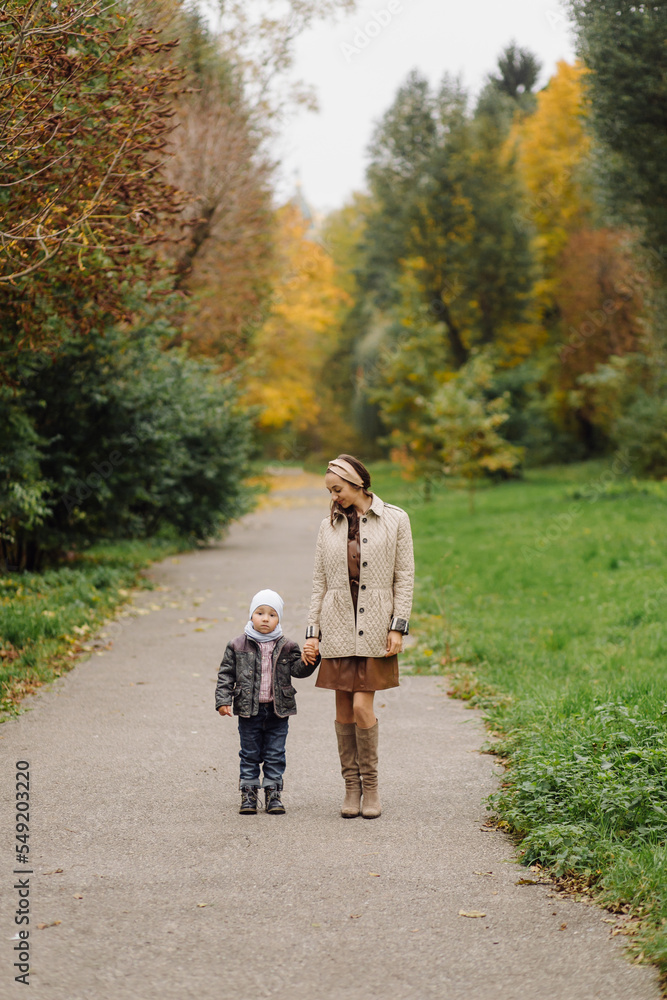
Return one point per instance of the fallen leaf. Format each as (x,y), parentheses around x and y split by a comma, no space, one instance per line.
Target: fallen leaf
(528,881)
(56,871)
(489,874)
(77,895)
(608,920)
(354,916)
(202,904)
(562,927)
(471,913)
(375,874)
(54,923)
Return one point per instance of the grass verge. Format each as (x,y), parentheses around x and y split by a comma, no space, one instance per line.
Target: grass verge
(547,607)
(46,618)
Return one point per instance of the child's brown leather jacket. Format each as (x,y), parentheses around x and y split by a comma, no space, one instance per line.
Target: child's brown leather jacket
(241,671)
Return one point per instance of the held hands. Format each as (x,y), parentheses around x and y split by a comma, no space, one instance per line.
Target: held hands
(394,642)
(311,650)
(225,710)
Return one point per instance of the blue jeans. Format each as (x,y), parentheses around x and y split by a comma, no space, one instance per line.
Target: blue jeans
(263,739)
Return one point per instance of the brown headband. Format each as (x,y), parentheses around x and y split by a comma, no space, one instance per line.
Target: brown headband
(341,468)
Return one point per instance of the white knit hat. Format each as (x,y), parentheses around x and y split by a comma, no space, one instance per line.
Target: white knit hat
(271,599)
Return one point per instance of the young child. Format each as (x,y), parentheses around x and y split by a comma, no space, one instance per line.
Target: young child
(255,676)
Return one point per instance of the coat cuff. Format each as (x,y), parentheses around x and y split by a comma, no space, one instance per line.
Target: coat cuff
(400,625)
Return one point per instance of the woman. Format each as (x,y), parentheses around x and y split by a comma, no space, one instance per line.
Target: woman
(360,610)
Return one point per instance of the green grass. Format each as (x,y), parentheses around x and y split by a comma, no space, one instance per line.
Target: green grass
(548,608)
(46,617)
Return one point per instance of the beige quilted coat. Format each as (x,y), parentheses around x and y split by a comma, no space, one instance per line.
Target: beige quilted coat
(386,579)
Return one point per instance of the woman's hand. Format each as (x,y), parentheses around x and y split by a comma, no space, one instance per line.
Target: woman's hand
(394,642)
(225,710)
(311,649)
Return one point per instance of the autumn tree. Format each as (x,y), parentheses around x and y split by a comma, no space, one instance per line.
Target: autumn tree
(239,95)
(353,366)
(552,150)
(287,378)
(215,156)
(589,296)
(445,196)
(623,49)
(81,193)
(600,296)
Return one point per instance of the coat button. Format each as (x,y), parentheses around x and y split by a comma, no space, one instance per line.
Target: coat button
(363,586)
(364,564)
(364,539)
(361,611)
(361,631)
(364,519)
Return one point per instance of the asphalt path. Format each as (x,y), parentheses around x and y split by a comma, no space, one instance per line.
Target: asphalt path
(152,887)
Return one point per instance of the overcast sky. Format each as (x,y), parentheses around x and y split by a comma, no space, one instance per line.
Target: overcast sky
(354,88)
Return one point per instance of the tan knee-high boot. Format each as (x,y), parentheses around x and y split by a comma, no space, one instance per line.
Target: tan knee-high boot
(367,754)
(349,768)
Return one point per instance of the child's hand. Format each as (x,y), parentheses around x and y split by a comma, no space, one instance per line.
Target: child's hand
(310,652)
(311,648)
(225,710)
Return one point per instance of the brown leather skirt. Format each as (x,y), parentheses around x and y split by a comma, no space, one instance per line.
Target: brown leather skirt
(358,673)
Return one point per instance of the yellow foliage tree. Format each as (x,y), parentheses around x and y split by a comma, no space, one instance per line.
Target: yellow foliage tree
(552,150)
(286,374)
